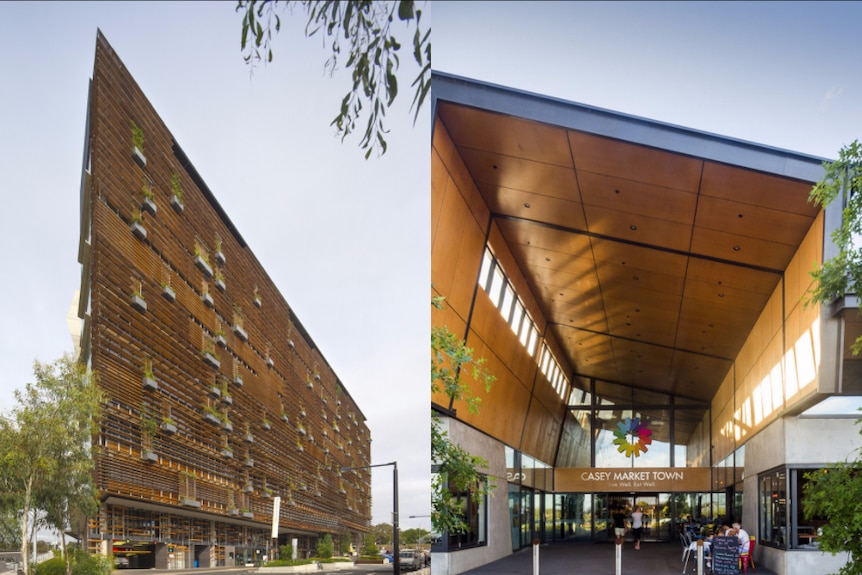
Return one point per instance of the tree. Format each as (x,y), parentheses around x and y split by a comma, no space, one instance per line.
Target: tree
(456,469)
(45,461)
(324,547)
(412,536)
(382,533)
(835,493)
(369,546)
(365,26)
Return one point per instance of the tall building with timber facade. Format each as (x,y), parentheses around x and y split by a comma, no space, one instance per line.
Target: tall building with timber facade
(218,402)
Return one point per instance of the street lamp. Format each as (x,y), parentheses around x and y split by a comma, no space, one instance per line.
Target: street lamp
(396,555)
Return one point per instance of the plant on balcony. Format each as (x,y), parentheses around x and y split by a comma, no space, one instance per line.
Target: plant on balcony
(247,513)
(300,429)
(219,255)
(177,189)
(302,411)
(220,336)
(202,261)
(138,145)
(299,446)
(206,296)
(211,415)
(238,323)
(289,333)
(148,431)
(219,280)
(226,397)
(168,425)
(138,301)
(265,424)
(258,301)
(136,224)
(209,353)
(168,292)
(148,201)
(226,451)
(149,379)
(267,492)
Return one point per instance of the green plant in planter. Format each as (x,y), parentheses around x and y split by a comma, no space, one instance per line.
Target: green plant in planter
(176,186)
(137,217)
(137,137)
(147,191)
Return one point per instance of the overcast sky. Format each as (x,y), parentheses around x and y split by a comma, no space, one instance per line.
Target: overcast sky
(358,230)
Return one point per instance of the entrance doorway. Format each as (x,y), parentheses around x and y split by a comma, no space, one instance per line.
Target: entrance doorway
(656,520)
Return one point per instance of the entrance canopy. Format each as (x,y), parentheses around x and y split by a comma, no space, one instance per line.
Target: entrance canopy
(651,248)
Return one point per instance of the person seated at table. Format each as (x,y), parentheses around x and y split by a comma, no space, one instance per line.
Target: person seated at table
(744,538)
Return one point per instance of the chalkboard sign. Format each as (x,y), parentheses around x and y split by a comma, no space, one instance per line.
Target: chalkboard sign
(725,555)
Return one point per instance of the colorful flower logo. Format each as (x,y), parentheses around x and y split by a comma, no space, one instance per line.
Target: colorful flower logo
(640,437)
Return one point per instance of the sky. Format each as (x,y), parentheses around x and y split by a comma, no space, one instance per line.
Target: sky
(781,74)
(357,229)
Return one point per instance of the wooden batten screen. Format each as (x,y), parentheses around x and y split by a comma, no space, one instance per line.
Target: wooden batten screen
(209,376)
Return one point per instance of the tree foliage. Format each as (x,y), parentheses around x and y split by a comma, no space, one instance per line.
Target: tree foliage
(325,547)
(45,461)
(841,274)
(457,471)
(834,494)
(363,30)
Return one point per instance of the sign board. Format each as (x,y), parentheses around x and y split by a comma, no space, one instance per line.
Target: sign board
(725,555)
(625,479)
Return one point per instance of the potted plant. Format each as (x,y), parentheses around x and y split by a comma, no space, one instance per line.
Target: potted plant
(300,429)
(249,462)
(237,380)
(138,298)
(168,292)
(210,357)
(148,431)
(211,415)
(247,513)
(219,280)
(149,379)
(226,397)
(302,411)
(136,225)
(177,189)
(138,145)
(206,297)
(300,449)
(237,323)
(219,255)
(202,261)
(249,438)
(220,337)
(258,301)
(265,424)
(270,362)
(168,425)
(226,451)
(267,492)
(289,333)
(148,203)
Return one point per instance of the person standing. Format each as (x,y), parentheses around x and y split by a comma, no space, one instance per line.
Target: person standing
(637,526)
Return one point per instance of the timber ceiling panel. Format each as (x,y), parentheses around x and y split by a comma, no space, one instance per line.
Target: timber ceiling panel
(650,265)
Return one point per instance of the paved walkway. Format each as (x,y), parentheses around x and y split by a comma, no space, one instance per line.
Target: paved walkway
(596,559)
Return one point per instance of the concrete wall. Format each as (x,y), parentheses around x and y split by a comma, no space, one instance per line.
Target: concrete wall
(499,537)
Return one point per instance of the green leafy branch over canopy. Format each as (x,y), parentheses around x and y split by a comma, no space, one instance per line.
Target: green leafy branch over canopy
(458,471)
(841,274)
(362,29)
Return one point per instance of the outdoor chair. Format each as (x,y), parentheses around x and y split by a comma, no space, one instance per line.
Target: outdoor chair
(746,558)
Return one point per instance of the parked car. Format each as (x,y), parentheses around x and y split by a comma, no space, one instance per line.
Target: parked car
(411,559)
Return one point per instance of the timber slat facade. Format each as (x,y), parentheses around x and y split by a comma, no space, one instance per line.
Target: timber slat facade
(218,399)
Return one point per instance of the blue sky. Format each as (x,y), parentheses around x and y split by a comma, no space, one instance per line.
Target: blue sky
(358,230)
(783,74)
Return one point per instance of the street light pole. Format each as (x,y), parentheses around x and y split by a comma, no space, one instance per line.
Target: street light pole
(396,554)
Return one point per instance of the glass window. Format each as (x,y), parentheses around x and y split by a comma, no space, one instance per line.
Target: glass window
(473,509)
(772,500)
